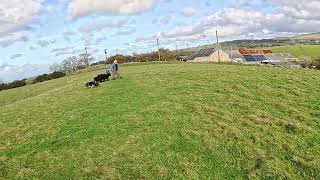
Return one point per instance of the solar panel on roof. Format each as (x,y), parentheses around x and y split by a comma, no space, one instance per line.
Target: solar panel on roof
(201,53)
(248,58)
(254,58)
(259,57)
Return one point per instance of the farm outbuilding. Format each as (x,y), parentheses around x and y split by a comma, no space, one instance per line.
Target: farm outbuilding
(279,56)
(258,56)
(254,56)
(209,55)
(239,56)
(236,56)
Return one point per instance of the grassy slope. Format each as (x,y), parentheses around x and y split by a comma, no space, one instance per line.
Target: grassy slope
(300,51)
(167,121)
(15,95)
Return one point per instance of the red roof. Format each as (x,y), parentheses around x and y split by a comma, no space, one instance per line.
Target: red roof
(261,51)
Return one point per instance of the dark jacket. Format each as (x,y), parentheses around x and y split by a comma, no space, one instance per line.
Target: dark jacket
(115,67)
(108,72)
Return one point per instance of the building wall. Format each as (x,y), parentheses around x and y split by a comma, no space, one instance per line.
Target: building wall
(224,57)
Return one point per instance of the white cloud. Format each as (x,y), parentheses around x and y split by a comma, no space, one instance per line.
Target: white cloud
(126,31)
(189,12)
(15,16)
(15,56)
(5,68)
(66,51)
(93,32)
(299,9)
(80,8)
(9,39)
(97,26)
(239,23)
(68,35)
(45,43)
(12,72)
(165,20)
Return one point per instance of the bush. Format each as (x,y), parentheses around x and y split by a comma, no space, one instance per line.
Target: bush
(14,84)
(56,75)
(41,78)
(311,65)
(303,65)
(47,77)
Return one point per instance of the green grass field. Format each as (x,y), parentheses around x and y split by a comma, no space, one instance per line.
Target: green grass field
(178,121)
(300,51)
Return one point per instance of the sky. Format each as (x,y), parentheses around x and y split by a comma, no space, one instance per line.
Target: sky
(35,34)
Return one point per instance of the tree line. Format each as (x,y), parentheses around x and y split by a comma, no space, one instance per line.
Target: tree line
(11,85)
(165,55)
(75,63)
(23,82)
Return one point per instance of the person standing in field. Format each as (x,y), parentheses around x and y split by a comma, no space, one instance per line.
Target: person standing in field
(115,70)
(108,72)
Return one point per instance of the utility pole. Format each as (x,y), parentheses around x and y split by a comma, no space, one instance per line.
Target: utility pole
(106,53)
(218,45)
(86,57)
(176,46)
(187,44)
(158,49)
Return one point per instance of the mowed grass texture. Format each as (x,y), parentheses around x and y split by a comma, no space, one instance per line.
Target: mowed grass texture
(194,121)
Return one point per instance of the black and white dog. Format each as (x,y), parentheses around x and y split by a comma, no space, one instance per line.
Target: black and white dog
(97,80)
(102,78)
(92,84)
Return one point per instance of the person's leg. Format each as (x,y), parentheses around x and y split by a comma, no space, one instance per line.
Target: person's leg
(118,75)
(113,75)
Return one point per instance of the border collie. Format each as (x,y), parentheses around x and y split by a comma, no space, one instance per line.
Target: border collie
(101,78)
(92,84)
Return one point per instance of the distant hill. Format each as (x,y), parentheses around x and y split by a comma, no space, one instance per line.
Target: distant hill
(312,36)
(305,39)
(303,52)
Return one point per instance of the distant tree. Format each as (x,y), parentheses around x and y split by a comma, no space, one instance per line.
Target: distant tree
(56,75)
(55,67)
(70,64)
(121,58)
(47,77)
(85,59)
(1,81)
(41,78)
